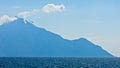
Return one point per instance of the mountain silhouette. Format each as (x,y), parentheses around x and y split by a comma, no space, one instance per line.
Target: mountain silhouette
(20,39)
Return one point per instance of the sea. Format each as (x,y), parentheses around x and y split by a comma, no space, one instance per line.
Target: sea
(58,62)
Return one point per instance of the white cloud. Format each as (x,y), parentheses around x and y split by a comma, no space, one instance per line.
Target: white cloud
(53,8)
(6,18)
(24,14)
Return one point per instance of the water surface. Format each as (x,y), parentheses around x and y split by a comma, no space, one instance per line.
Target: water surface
(58,62)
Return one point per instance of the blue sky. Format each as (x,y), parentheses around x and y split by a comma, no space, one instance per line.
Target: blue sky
(96,20)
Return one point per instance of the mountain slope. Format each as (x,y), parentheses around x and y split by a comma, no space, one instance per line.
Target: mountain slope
(18,39)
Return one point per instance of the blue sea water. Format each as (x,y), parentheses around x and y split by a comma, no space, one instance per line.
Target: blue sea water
(58,62)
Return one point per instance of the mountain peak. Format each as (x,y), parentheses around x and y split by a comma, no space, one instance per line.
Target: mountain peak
(23,21)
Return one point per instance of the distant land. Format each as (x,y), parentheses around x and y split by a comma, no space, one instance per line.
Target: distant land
(20,39)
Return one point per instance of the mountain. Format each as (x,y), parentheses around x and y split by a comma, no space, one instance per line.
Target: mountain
(20,39)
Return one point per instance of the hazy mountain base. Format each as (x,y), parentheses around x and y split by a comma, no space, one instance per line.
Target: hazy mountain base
(18,39)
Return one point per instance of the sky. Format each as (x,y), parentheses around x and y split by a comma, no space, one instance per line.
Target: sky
(95,20)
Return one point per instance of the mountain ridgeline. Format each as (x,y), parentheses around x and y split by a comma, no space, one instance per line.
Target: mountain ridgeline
(20,39)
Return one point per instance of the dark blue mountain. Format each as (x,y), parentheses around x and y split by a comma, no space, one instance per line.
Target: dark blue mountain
(20,39)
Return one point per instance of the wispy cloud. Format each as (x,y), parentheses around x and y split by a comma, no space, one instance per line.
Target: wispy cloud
(26,14)
(47,8)
(6,18)
(53,8)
